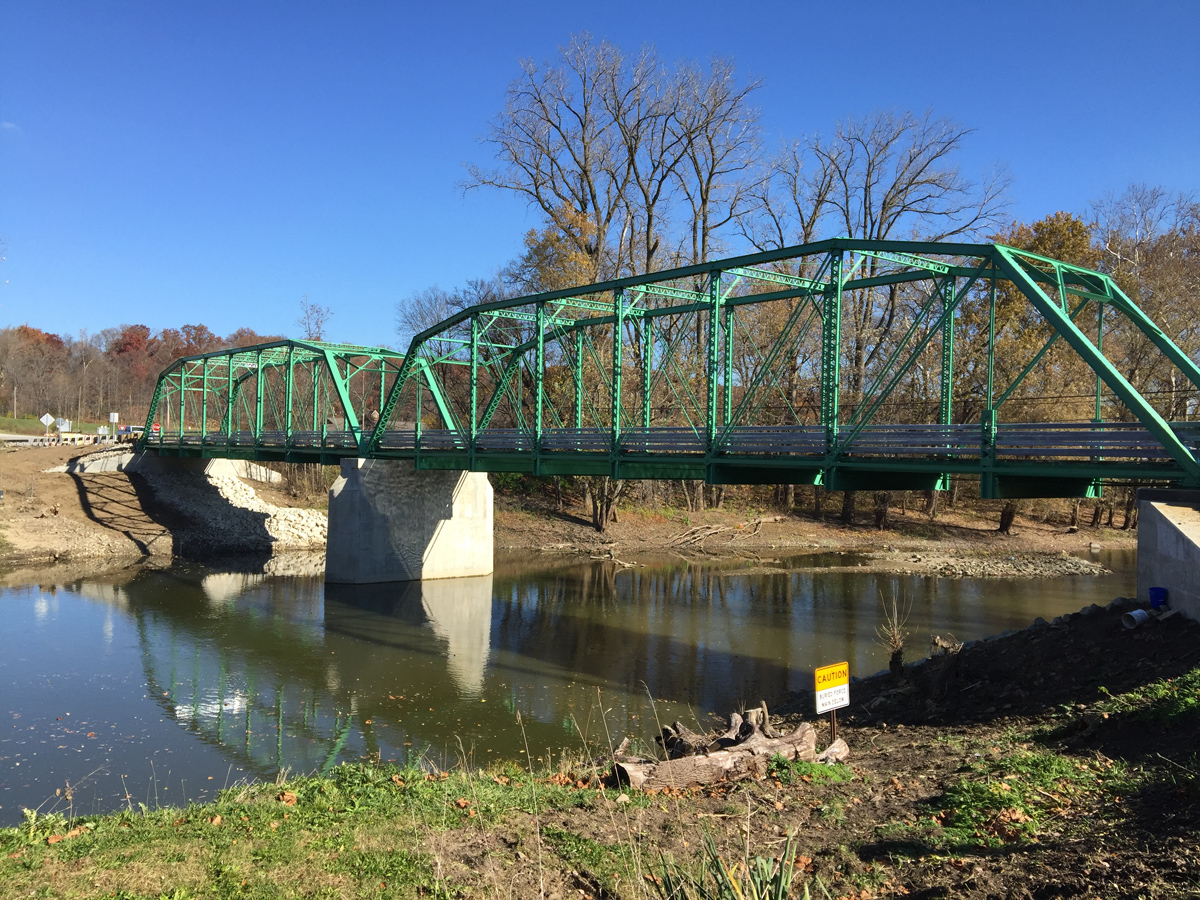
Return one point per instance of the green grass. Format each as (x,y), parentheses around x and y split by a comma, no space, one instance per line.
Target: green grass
(1167,701)
(1015,797)
(33,426)
(787,771)
(358,832)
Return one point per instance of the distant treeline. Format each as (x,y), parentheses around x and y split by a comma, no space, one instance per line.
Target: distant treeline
(86,377)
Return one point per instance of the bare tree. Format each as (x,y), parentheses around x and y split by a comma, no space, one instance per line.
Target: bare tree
(721,133)
(644,104)
(788,205)
(314,319)
(558,146)
(1150,243)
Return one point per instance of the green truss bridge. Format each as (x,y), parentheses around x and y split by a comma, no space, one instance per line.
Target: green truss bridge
(851,364)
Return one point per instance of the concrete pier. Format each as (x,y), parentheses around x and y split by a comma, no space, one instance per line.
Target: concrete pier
(1168,553)
(389,522)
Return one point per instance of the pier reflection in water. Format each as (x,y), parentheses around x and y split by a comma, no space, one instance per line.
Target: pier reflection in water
(180,680)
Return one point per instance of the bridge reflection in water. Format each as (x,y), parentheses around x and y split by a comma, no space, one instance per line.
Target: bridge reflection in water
(183,672)
(279,675)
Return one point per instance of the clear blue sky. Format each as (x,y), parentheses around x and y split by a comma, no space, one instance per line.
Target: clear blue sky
(171,163)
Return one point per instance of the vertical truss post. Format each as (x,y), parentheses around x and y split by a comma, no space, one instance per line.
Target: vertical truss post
(315,370)
(417,425)
(229,417)
(578,373)
(831,352)
(473,431)
(647,364)
(617,356)
(258,397)
(182,394)
(947,393)
(727,394)
(203,403)
(288,390)
(987,451)
(713,367)
(1100,350)
(539,384)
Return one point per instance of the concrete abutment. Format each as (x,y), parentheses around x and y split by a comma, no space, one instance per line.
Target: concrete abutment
(390,522)
(1168,554)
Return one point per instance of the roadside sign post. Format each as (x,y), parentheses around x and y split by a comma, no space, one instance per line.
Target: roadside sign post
(832,685)
(47,420)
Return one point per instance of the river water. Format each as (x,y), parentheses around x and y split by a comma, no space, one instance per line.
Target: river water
(160,686)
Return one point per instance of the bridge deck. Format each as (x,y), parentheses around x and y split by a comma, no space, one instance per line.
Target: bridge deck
(1069,450)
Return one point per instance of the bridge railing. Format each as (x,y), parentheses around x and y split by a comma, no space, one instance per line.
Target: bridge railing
(1088,440)
(1113,441)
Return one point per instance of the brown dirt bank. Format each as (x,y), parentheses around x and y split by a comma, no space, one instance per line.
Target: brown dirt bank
(59,517)
(1008,770)
(48,516)
(962,542)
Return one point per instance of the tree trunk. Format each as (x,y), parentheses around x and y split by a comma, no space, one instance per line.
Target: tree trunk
(687,495)
(1130,500)
(1074,514)
(789,498)
(883,501)
(848,507)
(819,502)
(1007,515)
(1097,514)
(699,488)
(953,496)
(604,493)
(719,498)
(931,504)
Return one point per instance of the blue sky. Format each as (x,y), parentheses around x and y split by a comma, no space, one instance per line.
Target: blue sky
(171,163)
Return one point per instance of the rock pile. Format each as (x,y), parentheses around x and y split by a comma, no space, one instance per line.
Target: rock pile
(224,514)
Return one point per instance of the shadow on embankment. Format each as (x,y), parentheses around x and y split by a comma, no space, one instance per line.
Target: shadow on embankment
(195,521)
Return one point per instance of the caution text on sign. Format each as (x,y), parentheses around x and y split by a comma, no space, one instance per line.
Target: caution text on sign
(833,687)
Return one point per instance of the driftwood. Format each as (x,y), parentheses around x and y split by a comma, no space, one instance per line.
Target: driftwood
(742,751)
(695,537)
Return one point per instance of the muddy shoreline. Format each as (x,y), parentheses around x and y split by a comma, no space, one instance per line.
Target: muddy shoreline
(113,516)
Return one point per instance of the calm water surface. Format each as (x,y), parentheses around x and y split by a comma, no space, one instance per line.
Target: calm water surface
(162,686)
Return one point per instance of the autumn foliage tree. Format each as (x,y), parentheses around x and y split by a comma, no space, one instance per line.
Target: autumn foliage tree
(86,377)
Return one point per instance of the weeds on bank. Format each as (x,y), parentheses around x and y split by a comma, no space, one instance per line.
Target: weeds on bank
(1021,795)
(1166,701)
(716,878)
(358,828)
(786,771)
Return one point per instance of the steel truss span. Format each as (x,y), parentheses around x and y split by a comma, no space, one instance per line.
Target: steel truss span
(852,364)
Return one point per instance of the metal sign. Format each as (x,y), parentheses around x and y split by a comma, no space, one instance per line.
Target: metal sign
(47,420)
(112,417)
(63,424)
(833,687)
(102,430)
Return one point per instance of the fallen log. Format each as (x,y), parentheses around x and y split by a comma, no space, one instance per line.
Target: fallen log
(744,751)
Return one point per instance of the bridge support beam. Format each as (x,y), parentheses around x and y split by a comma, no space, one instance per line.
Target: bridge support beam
(390,522)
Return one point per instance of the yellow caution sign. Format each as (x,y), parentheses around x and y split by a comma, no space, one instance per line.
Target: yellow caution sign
(833,687)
